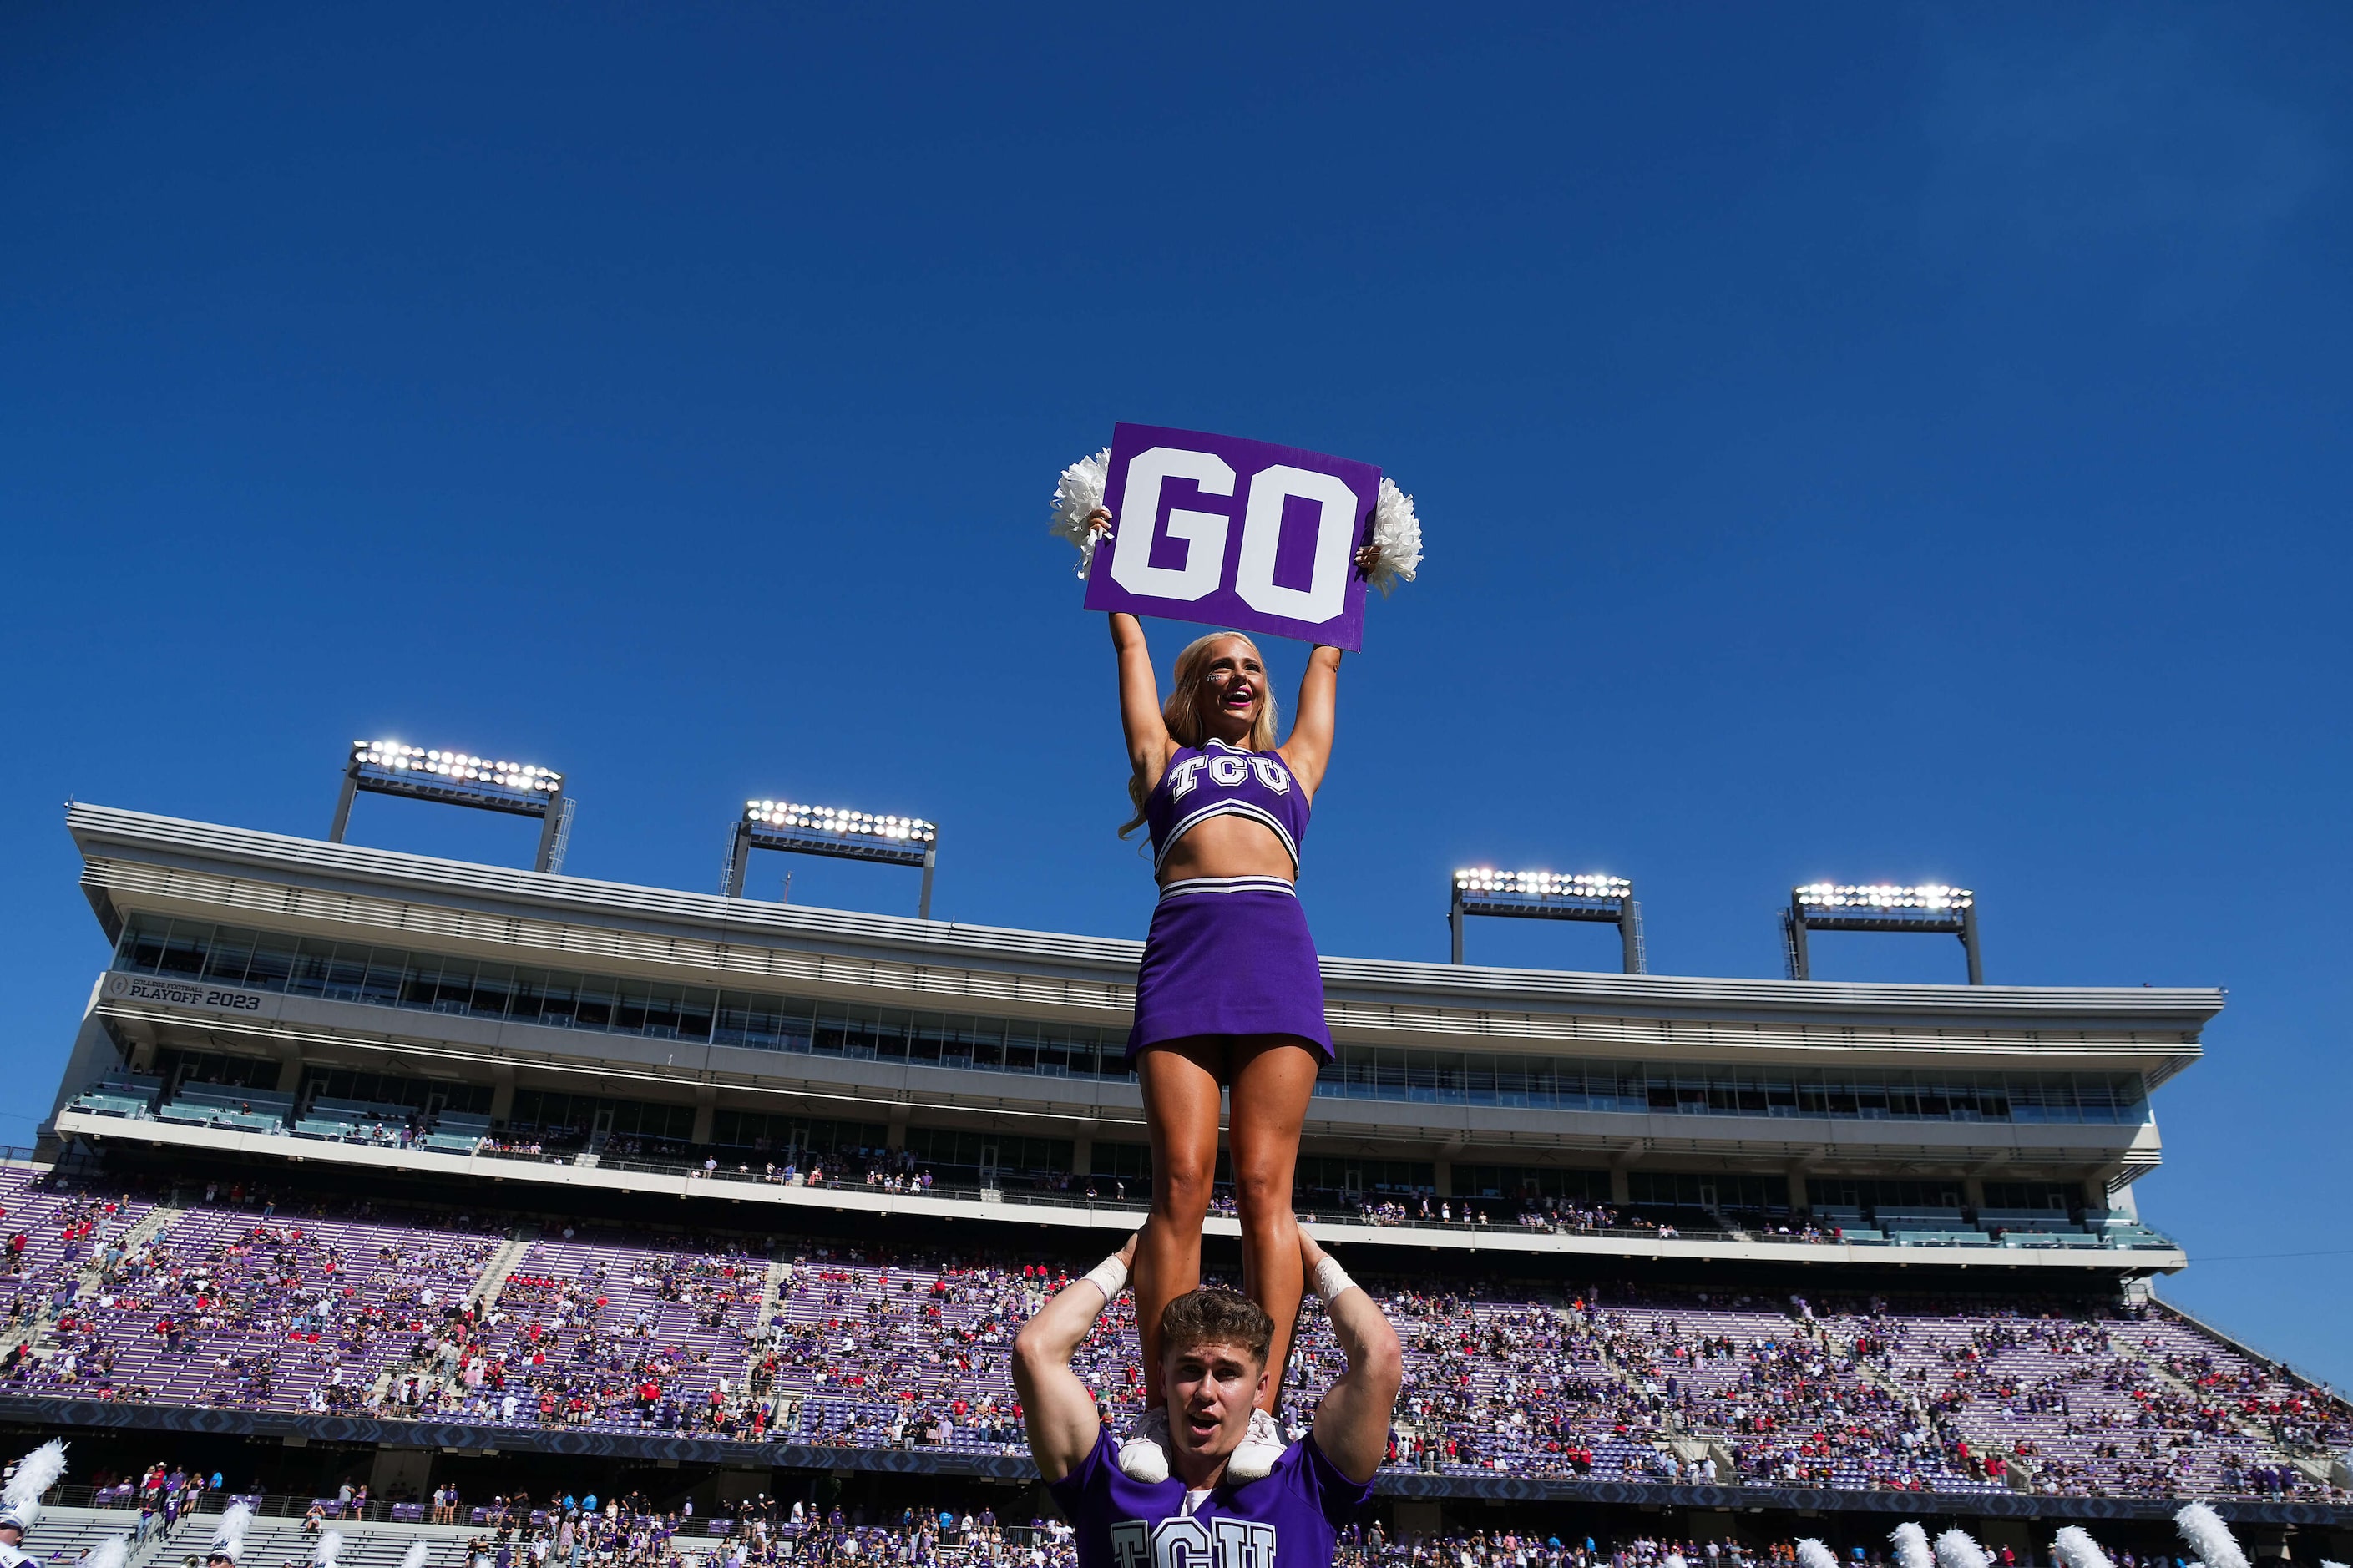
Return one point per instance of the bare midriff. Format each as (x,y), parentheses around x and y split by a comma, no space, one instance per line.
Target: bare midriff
(1228,847)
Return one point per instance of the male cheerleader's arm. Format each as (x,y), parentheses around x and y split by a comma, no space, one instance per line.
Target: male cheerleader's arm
(1139,698)
(1352,1424)
(1057,1408)
(1308,749)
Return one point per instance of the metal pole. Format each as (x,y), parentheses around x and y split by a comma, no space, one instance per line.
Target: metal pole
(1969,942)
(1629,935)
(547,826)
(931,862)
(739,856)
(1454,921)
(1797,938)
(343,805)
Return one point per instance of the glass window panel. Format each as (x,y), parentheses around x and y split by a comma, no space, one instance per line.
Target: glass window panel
(142,947)
(226,959)
(453,988)
(419,977)
(183,950)
(592,1003)
(386,978)
(493,991)
(272,962)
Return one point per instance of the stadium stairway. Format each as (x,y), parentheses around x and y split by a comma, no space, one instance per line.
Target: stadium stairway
(90,1275)
(503,1262)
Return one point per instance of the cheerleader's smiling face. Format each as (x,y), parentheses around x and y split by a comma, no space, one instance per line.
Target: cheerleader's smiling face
(1232,689)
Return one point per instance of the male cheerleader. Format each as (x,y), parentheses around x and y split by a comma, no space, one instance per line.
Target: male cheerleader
(1213,1371)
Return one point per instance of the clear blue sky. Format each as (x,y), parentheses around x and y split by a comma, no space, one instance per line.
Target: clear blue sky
(1865,442)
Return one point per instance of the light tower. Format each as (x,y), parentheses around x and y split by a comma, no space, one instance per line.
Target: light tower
(828,830)
(1829,906)
(1549,896)
(459,778)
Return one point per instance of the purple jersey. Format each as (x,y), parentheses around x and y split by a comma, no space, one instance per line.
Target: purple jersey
(1219,780)
(1291,1519)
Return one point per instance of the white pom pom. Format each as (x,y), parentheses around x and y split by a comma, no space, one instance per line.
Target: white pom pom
(1812,1553)
(331,1546)
(2074,1548)
(2208,1536)
(1397,540)
(229,1538)
(1955,1550)
(414,1556)
(111,1553)
(37,1472)
(1075,499)
(1912,1546)
(1674,1559)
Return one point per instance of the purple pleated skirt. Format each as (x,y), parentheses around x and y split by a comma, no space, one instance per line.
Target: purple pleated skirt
(1228,956)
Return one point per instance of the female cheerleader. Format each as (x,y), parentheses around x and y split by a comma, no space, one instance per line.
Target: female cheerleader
(1229,996)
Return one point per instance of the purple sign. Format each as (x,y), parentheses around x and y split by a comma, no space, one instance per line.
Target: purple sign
(1235,533)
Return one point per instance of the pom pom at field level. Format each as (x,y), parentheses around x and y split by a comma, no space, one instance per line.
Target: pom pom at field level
(2208,1536)
(2074,1548)
(229,1536)
(111,1553)
(1076,498)
(1912,1546)
(1812,1553)
(414,1556)
(1394,553)
(37,1472)
(330,1547)
(1955,1550)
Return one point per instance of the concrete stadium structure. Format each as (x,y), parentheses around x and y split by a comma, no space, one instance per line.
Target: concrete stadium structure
(708,1038)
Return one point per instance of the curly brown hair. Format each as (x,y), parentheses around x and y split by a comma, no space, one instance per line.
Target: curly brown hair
(1214,1315)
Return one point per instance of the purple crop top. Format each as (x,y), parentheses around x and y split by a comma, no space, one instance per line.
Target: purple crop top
(1219,780)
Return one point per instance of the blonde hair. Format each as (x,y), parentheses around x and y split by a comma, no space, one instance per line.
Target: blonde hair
(1181,714)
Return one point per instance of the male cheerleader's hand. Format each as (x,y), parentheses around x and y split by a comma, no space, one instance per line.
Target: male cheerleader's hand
(1110,1274)
(1312,1260)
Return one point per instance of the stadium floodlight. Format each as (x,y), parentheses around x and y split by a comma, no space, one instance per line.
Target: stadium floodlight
(1878,906)
(1548,896)
(460,778)
(799,829)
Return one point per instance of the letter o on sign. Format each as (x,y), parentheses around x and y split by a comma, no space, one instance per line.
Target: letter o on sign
(1335,530)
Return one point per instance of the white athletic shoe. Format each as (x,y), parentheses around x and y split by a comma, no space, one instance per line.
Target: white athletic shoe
(1144,1452)
(1260,1447)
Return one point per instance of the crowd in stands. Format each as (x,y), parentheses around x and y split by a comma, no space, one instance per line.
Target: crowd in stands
(238,1302)
(1371,1547)
(518,1531)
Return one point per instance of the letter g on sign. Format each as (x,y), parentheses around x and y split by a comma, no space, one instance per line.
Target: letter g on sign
(1204,532)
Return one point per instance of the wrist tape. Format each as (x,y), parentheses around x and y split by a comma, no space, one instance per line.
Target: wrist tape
(1108,1276)
(1331,1279)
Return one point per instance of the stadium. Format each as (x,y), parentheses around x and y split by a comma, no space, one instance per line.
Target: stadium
(394,1189)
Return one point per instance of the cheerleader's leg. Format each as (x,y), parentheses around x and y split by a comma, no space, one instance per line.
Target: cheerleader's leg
(1272,1077)
(1181,1096)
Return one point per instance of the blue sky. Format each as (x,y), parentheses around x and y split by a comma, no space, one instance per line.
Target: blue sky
(1865,442)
